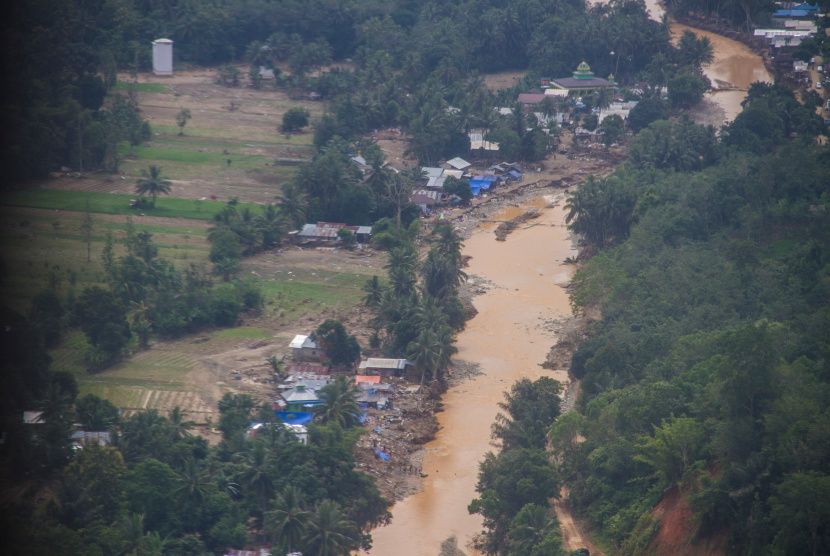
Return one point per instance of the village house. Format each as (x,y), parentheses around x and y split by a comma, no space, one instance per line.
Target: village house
(325,233)
(385,367)
(303,348)
(300,398)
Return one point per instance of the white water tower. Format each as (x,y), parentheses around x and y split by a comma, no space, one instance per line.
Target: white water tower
(163,57)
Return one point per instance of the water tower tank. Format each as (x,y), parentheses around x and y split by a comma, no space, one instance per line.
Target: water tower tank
(163,57)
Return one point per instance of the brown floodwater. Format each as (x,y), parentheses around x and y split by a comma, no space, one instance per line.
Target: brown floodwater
(735,64)
(509,339)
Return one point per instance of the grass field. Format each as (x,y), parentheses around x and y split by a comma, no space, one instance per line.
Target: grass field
(114,203)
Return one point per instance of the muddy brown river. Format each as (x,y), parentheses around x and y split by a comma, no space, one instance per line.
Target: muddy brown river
(509,339)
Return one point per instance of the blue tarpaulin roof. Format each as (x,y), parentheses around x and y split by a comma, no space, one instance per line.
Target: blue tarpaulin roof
(514,174)
(294,417)
(790,13)
(808,7)
(475,189)
(482,184)
(382,455)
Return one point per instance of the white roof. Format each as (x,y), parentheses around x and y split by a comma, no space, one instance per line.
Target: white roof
(301,341)
(458,163)
(453,173)
(556,92)
(377,363)
(429,172)
(163,41)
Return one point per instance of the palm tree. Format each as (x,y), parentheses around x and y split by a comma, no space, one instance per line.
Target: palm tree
(374,292)
(603,99)
(329,532)
(178,426)
(152,183)
(338,403)
(286,524)
(193,486)
(447,242)
(292,204)
(256,477)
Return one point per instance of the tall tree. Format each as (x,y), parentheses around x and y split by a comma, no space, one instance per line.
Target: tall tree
(152,183)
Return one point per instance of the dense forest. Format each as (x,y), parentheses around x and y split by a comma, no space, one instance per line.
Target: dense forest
(708,372)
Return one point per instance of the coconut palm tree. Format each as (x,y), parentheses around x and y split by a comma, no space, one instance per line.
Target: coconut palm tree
(374,292)
(286,524)
(292,204)
(329,532)
(193,486)
(338,403)
(178,426)
(258,463)
(152,183)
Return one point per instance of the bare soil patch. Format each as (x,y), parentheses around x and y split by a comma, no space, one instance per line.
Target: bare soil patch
(503,79)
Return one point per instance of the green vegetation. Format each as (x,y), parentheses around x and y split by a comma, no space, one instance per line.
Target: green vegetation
(111,203)
(708,372)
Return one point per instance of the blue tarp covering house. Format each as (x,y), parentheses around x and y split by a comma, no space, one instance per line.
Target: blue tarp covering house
(790,13)
(475,189)
(294,417)
(806,7)
(515,175)
(481,184)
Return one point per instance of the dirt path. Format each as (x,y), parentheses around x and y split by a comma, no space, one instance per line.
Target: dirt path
(572,537)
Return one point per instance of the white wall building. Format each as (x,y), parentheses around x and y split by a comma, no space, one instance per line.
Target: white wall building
(163,57)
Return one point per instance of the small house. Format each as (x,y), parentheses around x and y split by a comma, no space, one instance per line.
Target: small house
(385,367)
(82,438)
(458,163)
(426,199)
(304,348)
(300,398)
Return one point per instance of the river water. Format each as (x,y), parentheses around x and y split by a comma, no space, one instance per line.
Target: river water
(510,340)
(735,64)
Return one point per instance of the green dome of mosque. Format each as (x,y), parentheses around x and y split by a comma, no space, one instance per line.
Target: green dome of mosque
(583,71)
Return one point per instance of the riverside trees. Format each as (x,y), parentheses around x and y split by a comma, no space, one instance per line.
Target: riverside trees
(710,295)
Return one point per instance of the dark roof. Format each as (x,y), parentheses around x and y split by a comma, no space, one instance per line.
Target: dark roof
(531,98)
(573,83)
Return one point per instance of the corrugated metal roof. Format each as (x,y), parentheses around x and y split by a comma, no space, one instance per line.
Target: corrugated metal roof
(454,173)
(458,163)
(364,378)
(431,172)
(298,370)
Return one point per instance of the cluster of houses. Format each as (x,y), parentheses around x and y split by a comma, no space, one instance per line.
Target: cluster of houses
(430,190)
(791,24)
(297,395)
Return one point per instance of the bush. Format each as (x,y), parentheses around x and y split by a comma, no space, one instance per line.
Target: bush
(295,119)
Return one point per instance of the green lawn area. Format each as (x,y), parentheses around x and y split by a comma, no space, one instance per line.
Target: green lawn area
(114,203)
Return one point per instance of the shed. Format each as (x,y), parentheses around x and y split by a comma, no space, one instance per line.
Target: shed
(327,232)
(514,175)
(479,184)
(303,347)
(163,57)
